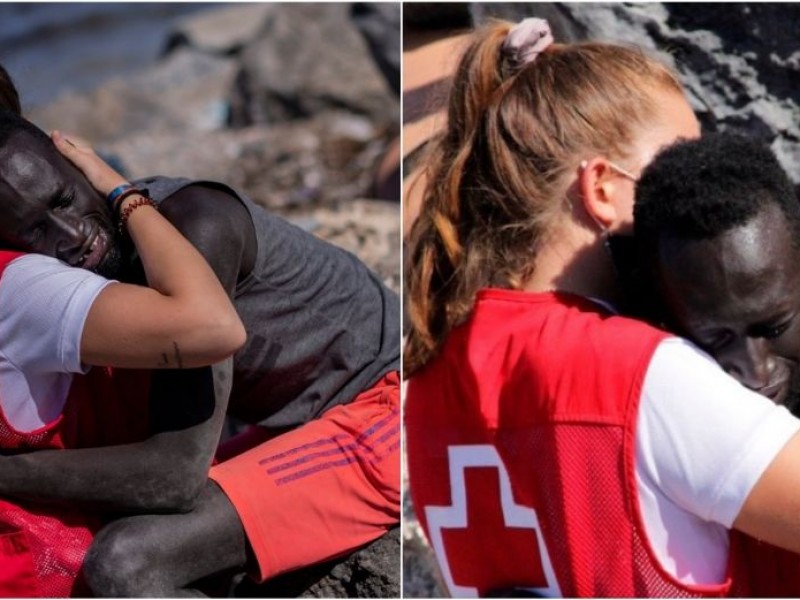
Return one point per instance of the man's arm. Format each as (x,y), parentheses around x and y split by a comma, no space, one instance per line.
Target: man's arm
(165,472)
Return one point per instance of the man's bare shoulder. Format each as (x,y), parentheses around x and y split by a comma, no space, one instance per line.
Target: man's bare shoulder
(204,204)
(218,224)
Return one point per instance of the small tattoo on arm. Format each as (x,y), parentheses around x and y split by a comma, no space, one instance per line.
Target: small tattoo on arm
(178,354)
(164,362)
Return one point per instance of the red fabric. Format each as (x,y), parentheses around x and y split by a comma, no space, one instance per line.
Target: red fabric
(6,256)
(540,391)
(322,489)
(17,573)
(763,570)
(42,548)
(105,407)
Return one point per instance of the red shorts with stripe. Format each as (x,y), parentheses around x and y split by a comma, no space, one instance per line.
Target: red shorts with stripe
(320,490)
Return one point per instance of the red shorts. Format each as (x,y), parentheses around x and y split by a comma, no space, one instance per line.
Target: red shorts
(320,490)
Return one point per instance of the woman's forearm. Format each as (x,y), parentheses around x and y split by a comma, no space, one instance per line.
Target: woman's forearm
(178,271)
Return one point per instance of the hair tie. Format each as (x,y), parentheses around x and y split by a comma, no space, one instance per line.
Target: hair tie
(524,42)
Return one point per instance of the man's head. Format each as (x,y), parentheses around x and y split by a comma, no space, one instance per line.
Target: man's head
(48,206)
(718,225)
(9,96)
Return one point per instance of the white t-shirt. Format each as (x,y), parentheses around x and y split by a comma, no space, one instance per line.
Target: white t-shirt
(702,442)
(43,308)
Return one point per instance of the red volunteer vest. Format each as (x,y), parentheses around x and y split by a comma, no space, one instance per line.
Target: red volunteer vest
(42,548)
(520,441)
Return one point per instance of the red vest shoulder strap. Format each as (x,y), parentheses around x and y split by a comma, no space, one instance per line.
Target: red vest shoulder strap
(6,256)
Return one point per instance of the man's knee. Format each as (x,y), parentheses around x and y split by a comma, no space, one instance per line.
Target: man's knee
(117,565)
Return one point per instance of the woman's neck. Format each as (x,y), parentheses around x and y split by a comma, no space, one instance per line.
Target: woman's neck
(576,261)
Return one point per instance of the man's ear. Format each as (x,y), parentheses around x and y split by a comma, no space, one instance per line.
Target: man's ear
(598,184)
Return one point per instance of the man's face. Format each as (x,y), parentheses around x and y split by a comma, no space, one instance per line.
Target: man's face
(737,296)
(47,206)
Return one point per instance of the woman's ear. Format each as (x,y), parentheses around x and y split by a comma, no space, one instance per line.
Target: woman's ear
(602,193)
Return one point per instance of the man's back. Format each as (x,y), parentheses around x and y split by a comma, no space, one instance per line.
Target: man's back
(321,326)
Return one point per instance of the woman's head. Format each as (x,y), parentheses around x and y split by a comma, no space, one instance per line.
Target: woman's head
(507,170)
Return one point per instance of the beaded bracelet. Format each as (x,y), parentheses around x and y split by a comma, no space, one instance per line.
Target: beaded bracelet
(126,212)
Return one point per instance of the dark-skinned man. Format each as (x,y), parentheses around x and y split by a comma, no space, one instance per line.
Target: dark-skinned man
(317,377)
(716,259)
(717,225)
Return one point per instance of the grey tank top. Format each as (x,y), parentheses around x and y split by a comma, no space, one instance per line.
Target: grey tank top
(321,327)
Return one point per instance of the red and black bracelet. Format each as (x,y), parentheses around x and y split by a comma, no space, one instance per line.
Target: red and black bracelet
(126,212)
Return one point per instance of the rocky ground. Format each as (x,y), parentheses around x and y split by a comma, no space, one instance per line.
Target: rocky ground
(740,64)
(288,104)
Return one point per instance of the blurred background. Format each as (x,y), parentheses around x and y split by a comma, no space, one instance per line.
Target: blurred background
(739,63)
(52,48)
(297,105)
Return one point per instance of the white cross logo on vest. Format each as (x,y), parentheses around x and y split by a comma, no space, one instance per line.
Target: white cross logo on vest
(455,516)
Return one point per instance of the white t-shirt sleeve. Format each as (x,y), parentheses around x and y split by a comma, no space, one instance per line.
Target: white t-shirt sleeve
(702,438)
(43,308)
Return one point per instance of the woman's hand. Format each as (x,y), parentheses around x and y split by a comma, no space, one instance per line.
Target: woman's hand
(102,177)
(184,319)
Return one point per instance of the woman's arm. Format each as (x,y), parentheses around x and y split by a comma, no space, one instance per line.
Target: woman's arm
(184,319)
(772,509)
(710,450)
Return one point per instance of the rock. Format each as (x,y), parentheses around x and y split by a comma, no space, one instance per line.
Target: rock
(196,154)
(222,32)
(379,23)
(329,158)
(738,62)
(186,92)
(419,579)
(325,160)
(372,572)
(743,68)
(309,58)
